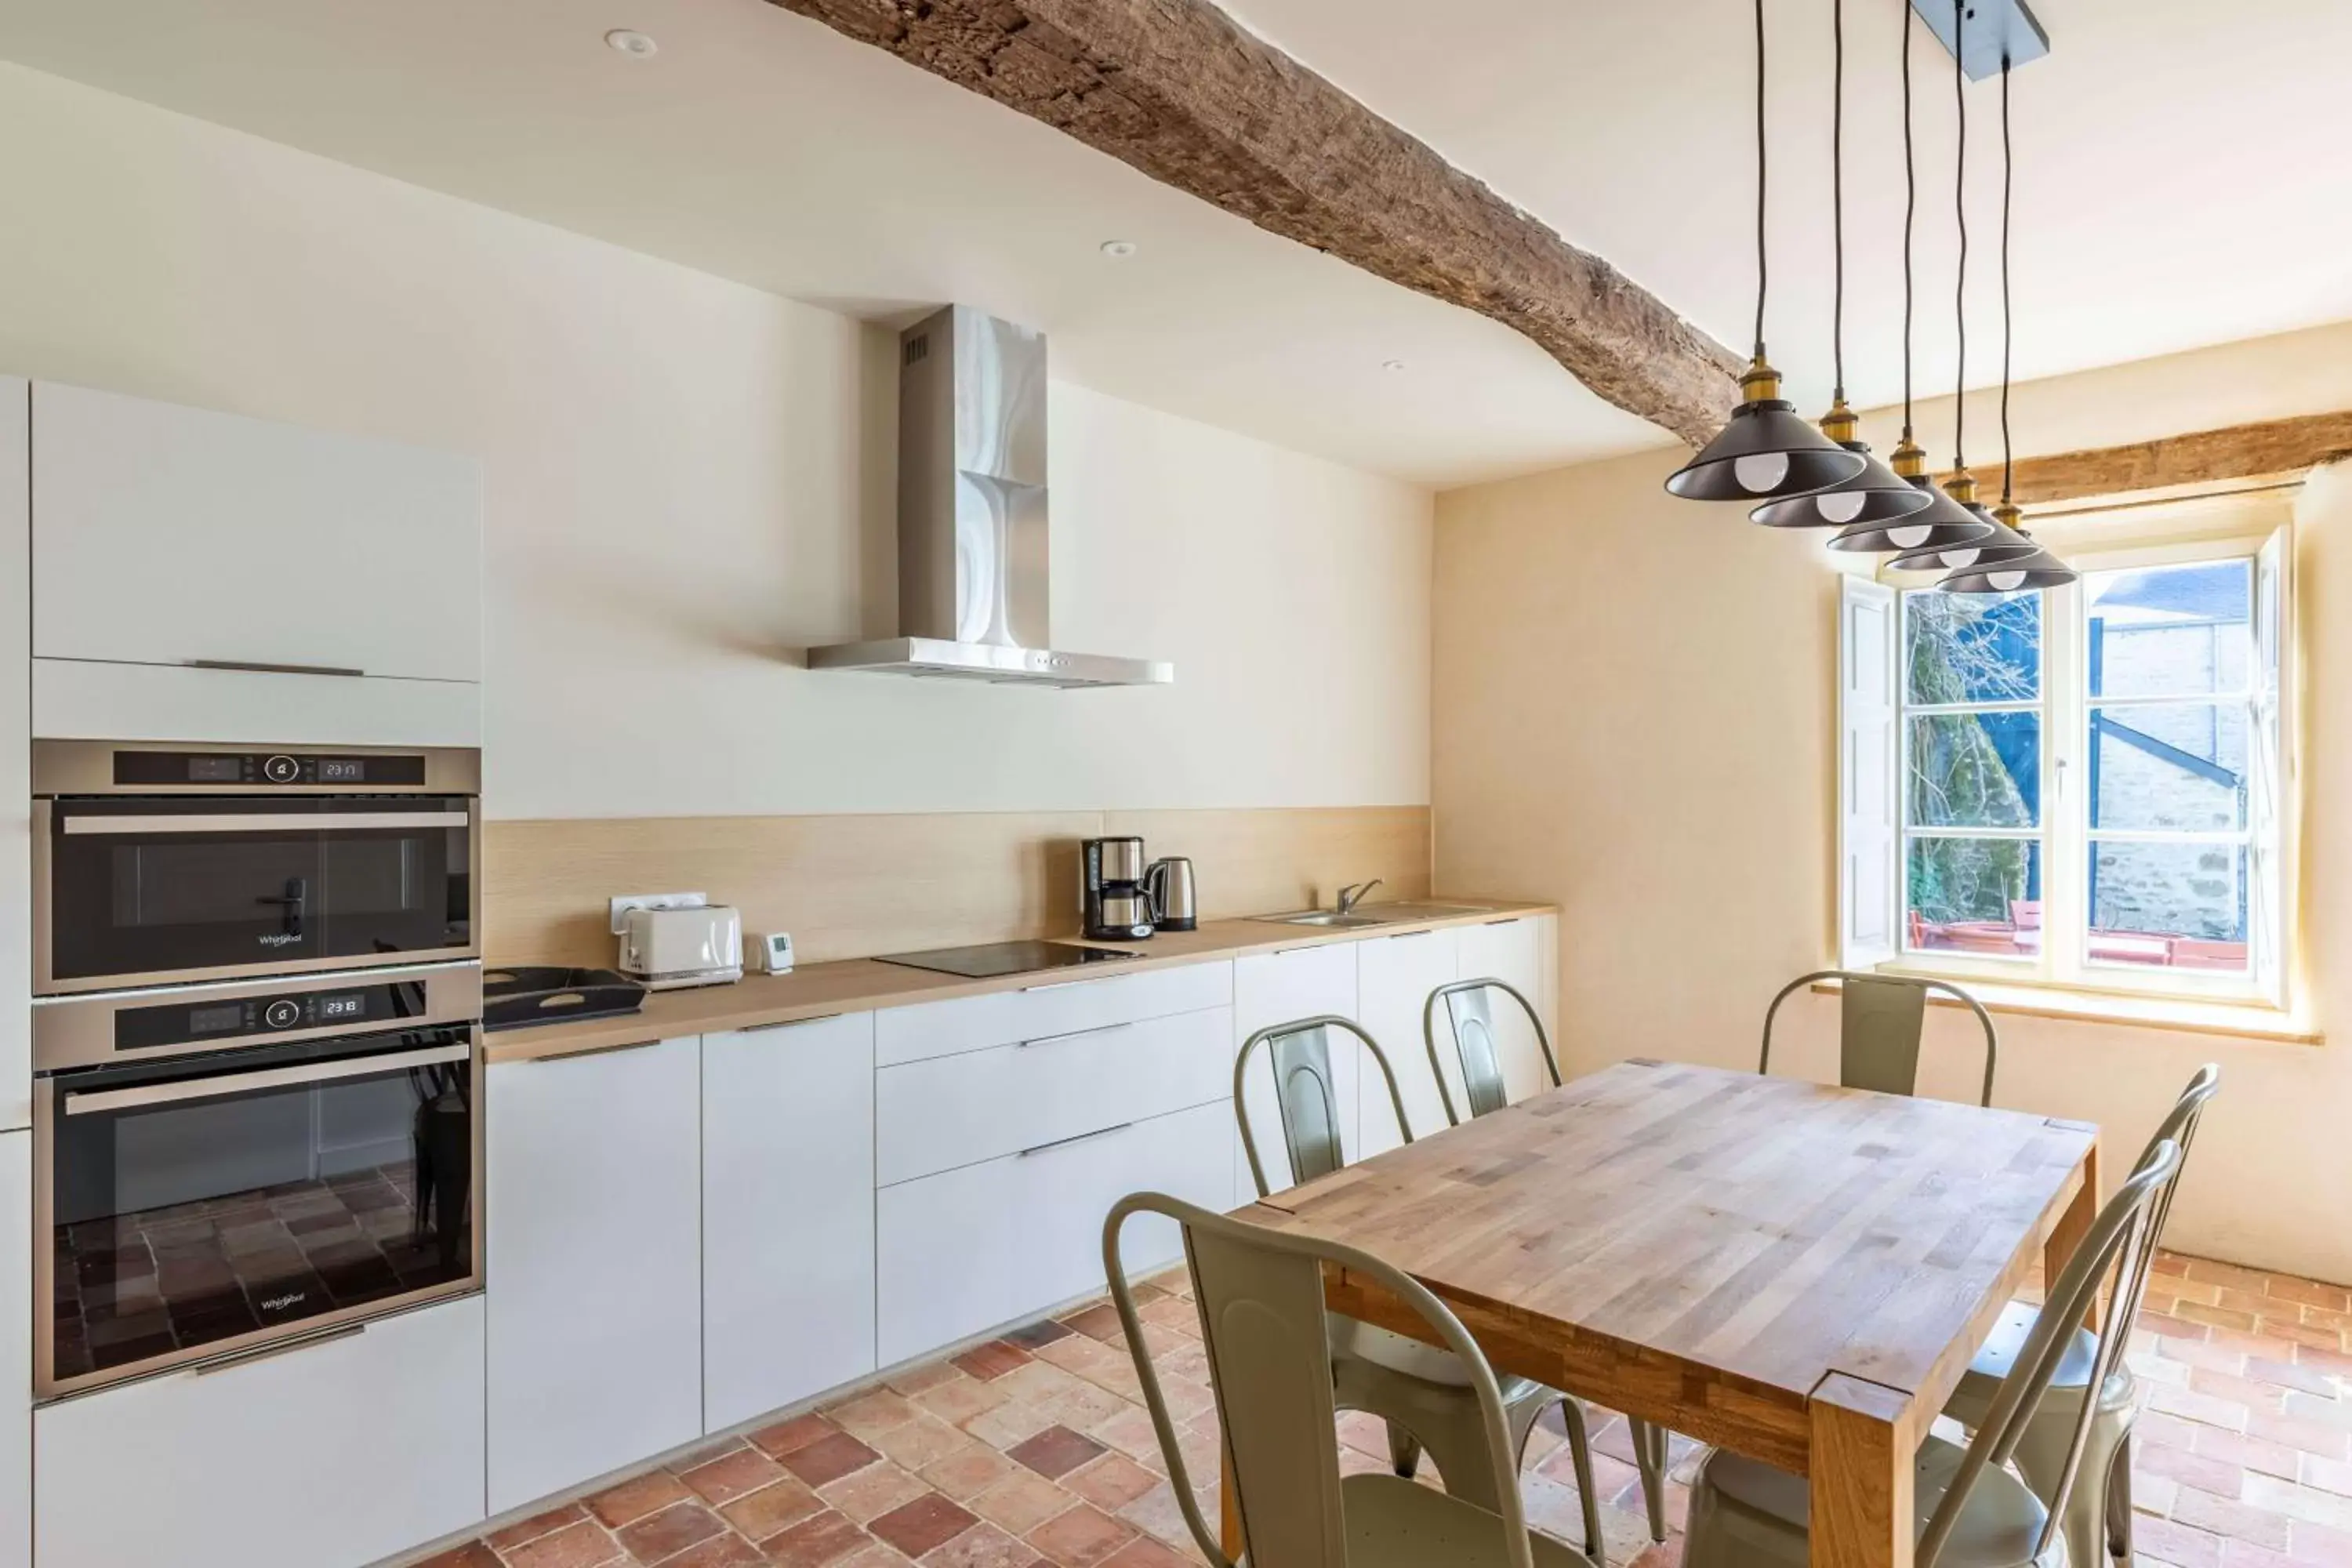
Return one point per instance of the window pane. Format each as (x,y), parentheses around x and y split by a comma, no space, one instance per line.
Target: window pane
(2170,631)
(1972,647)
(1975,895)
(2179,906)
(1975,770)
(2169,764)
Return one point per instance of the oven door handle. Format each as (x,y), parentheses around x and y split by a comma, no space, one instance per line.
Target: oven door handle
(89,1100)
(266,822)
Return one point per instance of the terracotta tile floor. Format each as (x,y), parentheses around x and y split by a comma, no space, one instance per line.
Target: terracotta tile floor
(1033,1450)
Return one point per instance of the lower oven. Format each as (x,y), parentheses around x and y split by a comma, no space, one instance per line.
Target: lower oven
(221,1169)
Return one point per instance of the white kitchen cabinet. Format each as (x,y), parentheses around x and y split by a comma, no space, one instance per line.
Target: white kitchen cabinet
(1054,1007)
(1512,950)
(788,1203)
(16,767)
(978,1246)
(1272,988)
(253,542)
(329,1455)
(16,1349)
(594,1202)
(1395,976)
(944,1111)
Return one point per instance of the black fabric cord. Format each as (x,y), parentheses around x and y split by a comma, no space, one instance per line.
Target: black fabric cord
(1910,210)
(1761,275)
(1960,211)
(2007,460)
(1837,192)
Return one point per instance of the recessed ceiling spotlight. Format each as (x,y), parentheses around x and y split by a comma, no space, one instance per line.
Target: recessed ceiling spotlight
(636,44)
(1120,247)
(1391,365)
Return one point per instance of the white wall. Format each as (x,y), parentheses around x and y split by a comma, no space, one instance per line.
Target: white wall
(686,479)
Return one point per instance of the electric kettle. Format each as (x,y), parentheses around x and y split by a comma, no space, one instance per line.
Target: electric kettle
(1175,905)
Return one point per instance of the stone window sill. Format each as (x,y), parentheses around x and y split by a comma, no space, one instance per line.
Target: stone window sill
(2183,1015)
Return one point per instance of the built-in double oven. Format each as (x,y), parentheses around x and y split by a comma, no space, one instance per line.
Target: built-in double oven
(256,1109)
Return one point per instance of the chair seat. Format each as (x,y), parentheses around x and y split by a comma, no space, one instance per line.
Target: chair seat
(1412,1358)
(1981,1384)
(1998,1526)
(1397,1523)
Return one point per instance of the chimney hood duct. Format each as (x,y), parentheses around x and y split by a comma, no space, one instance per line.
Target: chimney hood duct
(973,524)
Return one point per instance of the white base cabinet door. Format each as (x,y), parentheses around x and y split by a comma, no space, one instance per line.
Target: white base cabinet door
(593,1199)
(330,1456)
(972,1248)
(1272,988)
(1395,976)
(16,1349)
(788,1206)
(1514,950)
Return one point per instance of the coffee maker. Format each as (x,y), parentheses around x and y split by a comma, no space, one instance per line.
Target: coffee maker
(1111,898)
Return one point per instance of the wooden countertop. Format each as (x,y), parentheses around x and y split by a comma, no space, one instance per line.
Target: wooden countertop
(859,985)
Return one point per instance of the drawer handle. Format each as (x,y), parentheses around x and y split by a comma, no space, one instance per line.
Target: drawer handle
(1066,984)
(1080,1138)
(269,1353)
(596,1051)
(247,664)
(1074,1034)
(781,1024)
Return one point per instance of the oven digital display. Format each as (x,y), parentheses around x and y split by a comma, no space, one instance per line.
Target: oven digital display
(227,1018)
(216,770)
(341,770)
(348,1004)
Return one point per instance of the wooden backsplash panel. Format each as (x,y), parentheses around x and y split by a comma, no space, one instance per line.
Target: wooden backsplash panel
(846,887)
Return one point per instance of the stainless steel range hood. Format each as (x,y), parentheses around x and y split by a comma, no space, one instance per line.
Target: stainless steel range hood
(972,516)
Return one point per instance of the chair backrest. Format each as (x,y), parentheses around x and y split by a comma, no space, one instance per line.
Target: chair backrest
(1882,1018)
(1470,1013)
(2111,1251)
(1304,1094)
(2180,1126)
(1260,1296)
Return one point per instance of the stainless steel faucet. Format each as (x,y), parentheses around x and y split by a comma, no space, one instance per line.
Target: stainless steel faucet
(1353,894)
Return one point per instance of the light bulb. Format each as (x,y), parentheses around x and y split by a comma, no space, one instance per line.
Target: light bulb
(2007,582)
(1841,506)
(1910,538)
(1962,560)
(1761,472)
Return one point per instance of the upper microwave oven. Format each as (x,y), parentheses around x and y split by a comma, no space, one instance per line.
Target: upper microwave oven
(160,864)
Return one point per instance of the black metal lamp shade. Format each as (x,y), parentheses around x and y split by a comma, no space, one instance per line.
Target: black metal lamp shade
(1878,494)
(2025,564)
(2004,544)
(1942,523)
(1765,451)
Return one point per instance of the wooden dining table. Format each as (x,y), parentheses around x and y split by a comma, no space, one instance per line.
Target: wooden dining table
(1794,1271)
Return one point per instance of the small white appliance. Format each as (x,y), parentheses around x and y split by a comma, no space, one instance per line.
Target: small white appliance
(673,940)
(771,953)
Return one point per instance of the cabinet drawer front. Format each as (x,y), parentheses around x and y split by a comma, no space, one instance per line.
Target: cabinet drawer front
(1276,987)
(935,1115)
(1055,1007)
(972,1248)
(330,1456)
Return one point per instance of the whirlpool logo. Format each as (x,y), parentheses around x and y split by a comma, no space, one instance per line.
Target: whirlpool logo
(279,1303)
(280,938)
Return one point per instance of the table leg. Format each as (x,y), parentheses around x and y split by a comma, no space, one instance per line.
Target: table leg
(2072,1227)
(1863,1445)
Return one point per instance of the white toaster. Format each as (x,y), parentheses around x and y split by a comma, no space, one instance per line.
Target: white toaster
(671,948)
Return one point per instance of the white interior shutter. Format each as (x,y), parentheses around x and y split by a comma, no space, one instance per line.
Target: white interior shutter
(1869,834)
(2269,783)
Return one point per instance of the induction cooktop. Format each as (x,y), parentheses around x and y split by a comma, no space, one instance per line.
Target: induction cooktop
(992,959)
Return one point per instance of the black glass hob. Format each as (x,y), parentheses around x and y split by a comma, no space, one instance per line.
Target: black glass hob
(991,958)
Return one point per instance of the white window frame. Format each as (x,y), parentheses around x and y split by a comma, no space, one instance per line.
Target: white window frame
(2063,832)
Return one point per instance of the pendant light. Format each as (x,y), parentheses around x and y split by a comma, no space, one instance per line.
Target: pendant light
(1877,494)
(2015,562)
(1939,523)
(1767,450)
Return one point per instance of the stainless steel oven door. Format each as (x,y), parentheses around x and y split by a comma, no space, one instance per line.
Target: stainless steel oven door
(195,1208)
(141,889)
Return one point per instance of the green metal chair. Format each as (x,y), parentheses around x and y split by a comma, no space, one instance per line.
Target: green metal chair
(1470,1019)
(1260,1296)
(1970,1512)
(2099,1512)
(1882,1020)
(1427,1396)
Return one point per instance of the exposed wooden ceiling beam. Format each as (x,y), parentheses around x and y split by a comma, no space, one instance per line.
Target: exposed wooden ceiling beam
(1181,91)
(2272,447)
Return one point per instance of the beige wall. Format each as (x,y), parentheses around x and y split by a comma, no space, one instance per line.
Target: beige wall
(1635,719)
(683,479)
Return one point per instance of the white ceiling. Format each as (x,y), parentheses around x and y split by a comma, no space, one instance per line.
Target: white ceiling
(2181,184)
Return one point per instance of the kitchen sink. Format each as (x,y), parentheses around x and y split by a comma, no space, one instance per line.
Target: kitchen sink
(1375,915)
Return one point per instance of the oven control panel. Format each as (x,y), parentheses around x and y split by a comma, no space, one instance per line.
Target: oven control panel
(228,1019)
(156,769)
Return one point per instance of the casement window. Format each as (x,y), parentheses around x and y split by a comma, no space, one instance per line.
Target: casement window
(2082,787)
